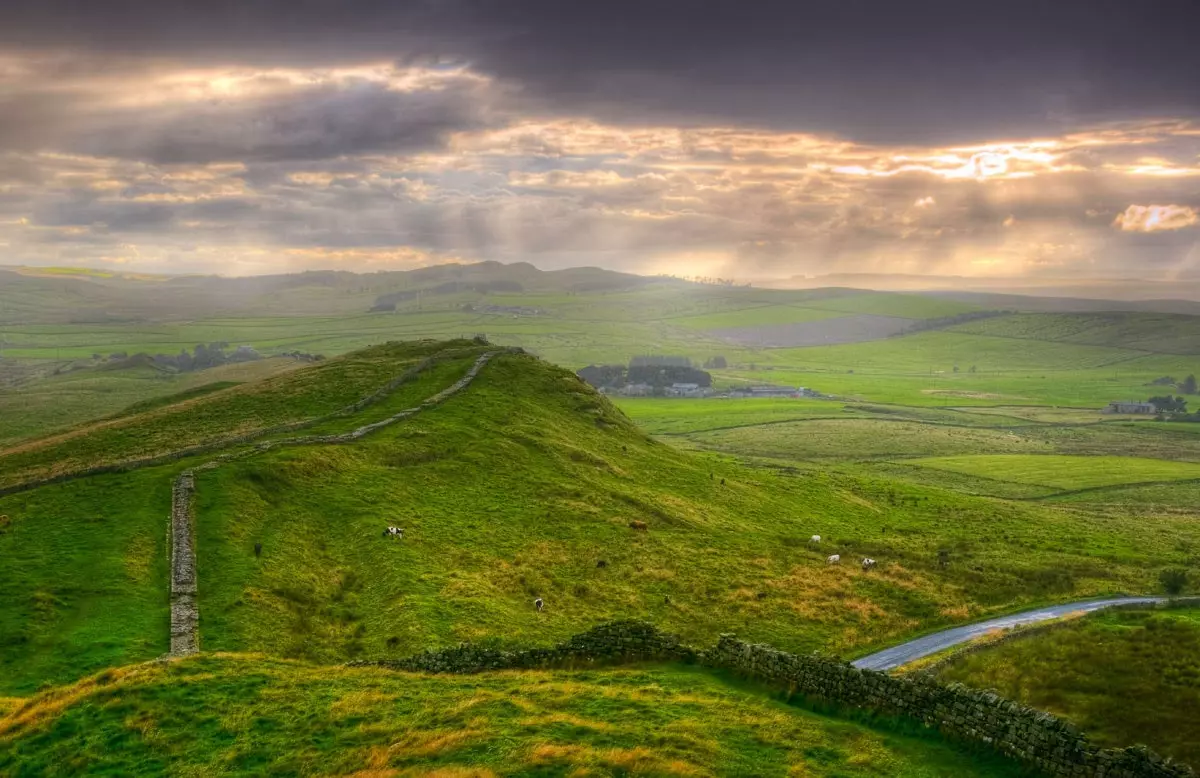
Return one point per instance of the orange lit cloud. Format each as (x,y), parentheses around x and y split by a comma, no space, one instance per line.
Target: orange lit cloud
(1156,218)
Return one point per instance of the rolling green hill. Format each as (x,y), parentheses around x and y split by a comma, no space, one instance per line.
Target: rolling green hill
(524,485)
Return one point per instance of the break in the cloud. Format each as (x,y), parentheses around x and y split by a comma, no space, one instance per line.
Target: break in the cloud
(155,139)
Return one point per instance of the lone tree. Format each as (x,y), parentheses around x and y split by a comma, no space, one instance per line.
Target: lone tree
(1189,385)
(1173,580)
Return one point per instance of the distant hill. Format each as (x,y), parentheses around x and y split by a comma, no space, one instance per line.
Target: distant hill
(30,295)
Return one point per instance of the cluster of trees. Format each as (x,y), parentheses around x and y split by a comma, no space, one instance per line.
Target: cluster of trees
(1169,404)
(202,357)
(617,376)
(716,363)
(1186,386)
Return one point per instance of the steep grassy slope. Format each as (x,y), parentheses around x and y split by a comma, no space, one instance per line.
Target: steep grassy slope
(1122,676)
(83,579)
(240,715)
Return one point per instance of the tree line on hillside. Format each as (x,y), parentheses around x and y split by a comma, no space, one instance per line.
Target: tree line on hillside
(1186,386)
(943,322)
(202,357)
(655,371)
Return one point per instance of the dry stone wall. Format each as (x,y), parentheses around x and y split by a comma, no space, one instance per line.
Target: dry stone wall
(617,642)
(185,638)
(1035,738)
(240,440)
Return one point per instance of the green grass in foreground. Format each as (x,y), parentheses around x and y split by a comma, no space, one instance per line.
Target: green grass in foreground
(1123,676)
(83,578)
(1065,472)
(238,715)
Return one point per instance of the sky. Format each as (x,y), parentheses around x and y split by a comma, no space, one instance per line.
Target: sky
(747,140)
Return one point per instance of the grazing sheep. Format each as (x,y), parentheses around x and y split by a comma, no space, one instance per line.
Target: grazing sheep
(868,563)
(834,559)
(539,604)
(815,539)
(395,532)
(639,525)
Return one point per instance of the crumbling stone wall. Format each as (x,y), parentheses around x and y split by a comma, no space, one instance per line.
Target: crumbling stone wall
(1038,739)
(616,642)
(185,615)
(185,637)
(240,440)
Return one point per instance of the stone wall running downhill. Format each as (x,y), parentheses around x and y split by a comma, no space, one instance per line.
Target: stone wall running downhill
(185,613)
(240,440)
(1037,739)
(185,617)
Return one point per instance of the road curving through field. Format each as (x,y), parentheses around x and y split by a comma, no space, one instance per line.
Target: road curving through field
(897,656)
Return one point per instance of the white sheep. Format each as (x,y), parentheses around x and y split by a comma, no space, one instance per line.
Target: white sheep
(834,559)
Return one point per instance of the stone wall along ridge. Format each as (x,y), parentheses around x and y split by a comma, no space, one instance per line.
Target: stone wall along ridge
(224,443)
(185,614)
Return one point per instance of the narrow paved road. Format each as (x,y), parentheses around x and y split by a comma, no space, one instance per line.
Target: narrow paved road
(904,653)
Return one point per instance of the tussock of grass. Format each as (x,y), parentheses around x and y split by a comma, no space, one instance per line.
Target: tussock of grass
(242,715)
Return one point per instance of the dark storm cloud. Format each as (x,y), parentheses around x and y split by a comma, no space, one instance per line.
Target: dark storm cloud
(305,124)
(885,71)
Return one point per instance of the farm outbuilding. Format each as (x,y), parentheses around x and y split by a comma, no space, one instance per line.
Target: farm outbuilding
(1130,407)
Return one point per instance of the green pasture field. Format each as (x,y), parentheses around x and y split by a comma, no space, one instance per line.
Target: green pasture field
(905,306)
(1122,676)
(855,438)
(1162,333)
(666,416)
(242,715)
(1065,472)
(756,316)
